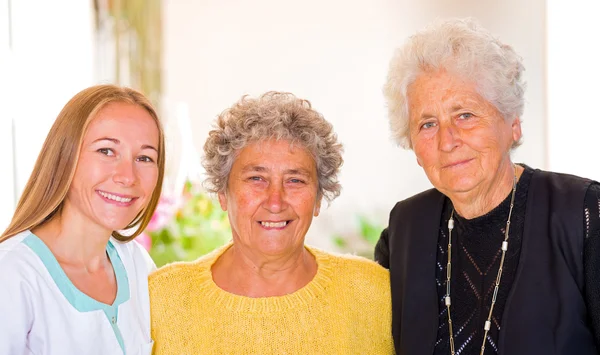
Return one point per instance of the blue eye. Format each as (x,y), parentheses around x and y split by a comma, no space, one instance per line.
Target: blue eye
(465,115)
(428,125)
(297,181)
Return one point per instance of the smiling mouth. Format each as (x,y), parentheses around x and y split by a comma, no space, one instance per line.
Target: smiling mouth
(116,198)
(458,163)
(274,225)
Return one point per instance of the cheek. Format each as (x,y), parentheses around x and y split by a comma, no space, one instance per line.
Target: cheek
(148,179)
(486,144)
(307,203)
(90,173)
(243,204)
(83,175)
(424,154)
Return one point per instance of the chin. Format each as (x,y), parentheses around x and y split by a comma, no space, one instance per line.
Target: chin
(460,185)
(275,248)
(116,225)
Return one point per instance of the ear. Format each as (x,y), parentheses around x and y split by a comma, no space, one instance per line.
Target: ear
(419,162)
(223,200)
(516,129)
(318,207)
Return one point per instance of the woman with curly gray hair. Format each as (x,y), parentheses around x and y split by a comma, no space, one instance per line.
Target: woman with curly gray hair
(497,258)
(271,161)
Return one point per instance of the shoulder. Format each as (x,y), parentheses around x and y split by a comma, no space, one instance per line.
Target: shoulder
(174,272)
(15,255)
(180,274)
(355,270)
(423,199)
(560,181)
(20,280)
(13,243)
(174,286)
(593,193)
(357,284)
(560,191)
(20,269)
(424,195)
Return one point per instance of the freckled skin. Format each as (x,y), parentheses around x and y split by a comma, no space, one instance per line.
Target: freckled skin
(274,182)
(461,140)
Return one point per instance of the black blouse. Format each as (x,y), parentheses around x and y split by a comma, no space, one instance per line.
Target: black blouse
(475,260)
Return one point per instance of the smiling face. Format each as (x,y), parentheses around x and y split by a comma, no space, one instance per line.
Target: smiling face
(460,139)
(117,169)
(271,197)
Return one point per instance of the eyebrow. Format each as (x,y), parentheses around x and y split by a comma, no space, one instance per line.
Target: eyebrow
(116,141)
(256,168)
(300,171)
(262,169)
(458,107)
(148,146)
(425,116)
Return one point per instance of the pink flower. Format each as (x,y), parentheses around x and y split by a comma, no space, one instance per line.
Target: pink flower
(165,210)
(145,241)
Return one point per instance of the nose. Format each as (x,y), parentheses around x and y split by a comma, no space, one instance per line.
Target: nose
(448,138)
(275,201)
(125,173)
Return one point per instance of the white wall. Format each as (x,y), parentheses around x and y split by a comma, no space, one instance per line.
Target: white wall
(7,200)
(573,86)
(335,53)
(51,59)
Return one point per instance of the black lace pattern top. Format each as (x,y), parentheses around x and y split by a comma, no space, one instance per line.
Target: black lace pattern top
(475,261)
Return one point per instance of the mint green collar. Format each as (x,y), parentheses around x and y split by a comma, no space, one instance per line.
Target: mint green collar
(79,300)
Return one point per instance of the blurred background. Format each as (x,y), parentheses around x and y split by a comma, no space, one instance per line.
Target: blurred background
(195,58)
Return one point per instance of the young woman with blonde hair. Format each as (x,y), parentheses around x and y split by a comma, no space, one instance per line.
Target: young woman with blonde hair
(71,284)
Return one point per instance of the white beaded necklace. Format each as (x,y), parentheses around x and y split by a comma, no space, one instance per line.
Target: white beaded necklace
(504,248)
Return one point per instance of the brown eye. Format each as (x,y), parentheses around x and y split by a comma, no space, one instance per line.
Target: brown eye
(145,159)
(106,151)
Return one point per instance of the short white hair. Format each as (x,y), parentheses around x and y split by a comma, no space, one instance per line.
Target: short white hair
(462,47)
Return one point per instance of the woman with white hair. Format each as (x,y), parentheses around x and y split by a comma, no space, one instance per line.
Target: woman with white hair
(497,258)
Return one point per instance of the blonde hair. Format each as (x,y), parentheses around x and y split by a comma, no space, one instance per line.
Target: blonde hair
(274,115)
(44,193)
(465,48)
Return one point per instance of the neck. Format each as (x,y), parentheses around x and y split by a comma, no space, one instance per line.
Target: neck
(481,201)
(73,242)
(253,275)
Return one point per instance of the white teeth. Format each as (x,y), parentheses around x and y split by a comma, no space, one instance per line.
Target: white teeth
(274,224)
(114,197)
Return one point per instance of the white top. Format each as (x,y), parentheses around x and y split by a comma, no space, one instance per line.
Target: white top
(42,312)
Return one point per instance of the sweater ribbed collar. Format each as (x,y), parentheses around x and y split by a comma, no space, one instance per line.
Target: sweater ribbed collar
(300,298)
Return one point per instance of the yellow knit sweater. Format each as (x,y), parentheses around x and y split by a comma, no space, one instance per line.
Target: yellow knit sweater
(345,309)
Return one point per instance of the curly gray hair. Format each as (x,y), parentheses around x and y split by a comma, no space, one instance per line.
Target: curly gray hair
(463,47)
(274,115)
